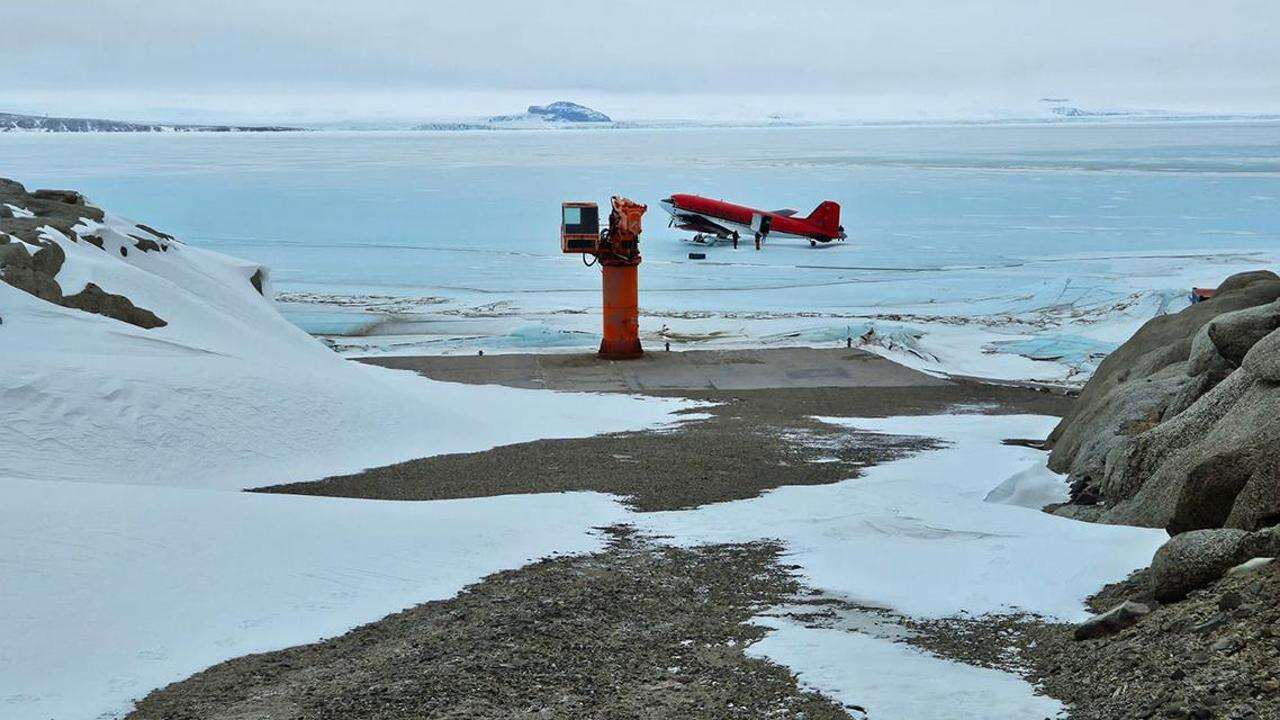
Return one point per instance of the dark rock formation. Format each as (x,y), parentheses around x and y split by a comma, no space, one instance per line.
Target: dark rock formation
(145,244)
(28,280)
(95,300)
(1178,429)
(69,197)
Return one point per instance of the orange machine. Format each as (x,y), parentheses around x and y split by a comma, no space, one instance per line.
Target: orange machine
(617,250)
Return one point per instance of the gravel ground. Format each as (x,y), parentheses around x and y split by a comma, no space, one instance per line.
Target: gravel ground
(639,630)
(1214,655)
(753,440)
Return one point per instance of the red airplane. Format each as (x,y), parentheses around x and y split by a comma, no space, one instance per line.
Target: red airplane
(725,221)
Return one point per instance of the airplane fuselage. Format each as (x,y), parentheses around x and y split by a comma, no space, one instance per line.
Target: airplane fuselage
(723,219)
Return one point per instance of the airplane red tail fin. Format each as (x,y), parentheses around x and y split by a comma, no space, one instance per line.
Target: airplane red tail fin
(826,216)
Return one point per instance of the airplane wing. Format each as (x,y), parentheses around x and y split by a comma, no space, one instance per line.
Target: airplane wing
(785,212)
(697,223)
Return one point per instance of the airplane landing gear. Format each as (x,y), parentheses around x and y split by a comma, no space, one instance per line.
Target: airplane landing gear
(813,243)
(759,237)
(735,239)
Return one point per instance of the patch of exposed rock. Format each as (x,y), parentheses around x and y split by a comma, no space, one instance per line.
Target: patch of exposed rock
(638,630)
(1177,429)
(26,218)
(1214,654)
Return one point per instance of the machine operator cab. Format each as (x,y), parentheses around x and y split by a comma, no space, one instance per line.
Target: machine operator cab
(579,227)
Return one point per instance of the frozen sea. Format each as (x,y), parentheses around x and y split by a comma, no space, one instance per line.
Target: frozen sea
(1004,250)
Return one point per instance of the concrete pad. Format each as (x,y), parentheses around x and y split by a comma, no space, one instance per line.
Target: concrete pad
(658,371)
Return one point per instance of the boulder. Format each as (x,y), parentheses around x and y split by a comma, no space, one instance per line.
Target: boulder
(258,280)
(49,259)
(1204,354)
(1208,494)
(70,197)
(145,244)
(1161,342)
(1127,410)
(1240,281)
(31,281)
(1263,359)
(1257,505)
(157,233)
(14,255)
(1112,621)
(1165,471)
(1235,333)
(94,299)
(1179,452)
(1195,559)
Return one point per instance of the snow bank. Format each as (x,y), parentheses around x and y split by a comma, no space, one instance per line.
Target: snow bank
(1032,488)
(228,393)
(111,591)
(894,681)
(915,535)
(918,536)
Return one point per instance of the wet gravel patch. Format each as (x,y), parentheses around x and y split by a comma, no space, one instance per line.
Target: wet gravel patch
(751,441)
(639,630)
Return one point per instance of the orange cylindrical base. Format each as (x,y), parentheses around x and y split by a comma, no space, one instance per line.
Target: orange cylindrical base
(621,313)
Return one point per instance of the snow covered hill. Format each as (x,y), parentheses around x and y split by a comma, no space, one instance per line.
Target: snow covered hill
(139,358)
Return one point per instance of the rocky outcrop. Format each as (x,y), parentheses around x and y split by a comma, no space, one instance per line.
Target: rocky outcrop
(61,211)
(94,299)
(1178,429)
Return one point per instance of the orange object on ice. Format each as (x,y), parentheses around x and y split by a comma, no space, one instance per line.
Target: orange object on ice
(618,252)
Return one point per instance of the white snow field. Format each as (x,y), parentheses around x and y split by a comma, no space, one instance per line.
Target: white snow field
(128,556)
(895,681)
(111,591)
(918,536)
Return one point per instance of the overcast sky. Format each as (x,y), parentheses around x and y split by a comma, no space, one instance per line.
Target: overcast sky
(345,58)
